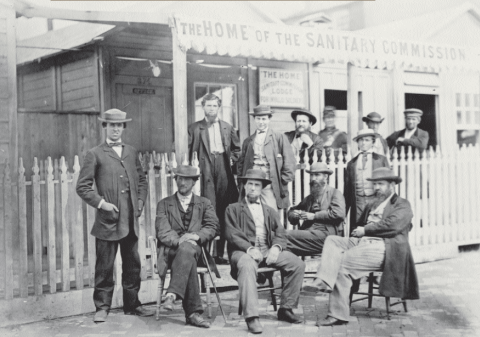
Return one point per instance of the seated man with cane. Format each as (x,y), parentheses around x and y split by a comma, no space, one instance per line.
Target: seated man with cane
(185,222)
(379,242)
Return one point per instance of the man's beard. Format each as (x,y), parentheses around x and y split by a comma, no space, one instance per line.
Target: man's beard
(252,198)
(379,198)
(316,188)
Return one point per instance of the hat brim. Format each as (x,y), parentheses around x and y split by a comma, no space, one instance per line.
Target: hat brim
(186,175)
(365,135)
(263,113)
(265,182)
(375,120)
(395,179)
(114,121)
(312,118)
(329,172)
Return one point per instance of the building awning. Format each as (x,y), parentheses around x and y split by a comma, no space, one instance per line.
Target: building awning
(305,44)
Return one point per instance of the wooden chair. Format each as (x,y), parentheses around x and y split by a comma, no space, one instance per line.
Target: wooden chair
(370,294)
(202,271)
(268,271)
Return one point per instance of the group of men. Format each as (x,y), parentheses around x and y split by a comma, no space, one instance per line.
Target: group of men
(247,218)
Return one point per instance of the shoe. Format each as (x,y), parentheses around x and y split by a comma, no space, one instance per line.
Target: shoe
(317,285)
(220,260)
(196,319)
(330,321)
(140,311)
(100,316)
(169,302)
(254,325)
(287,315)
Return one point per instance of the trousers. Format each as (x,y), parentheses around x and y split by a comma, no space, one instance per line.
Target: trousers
(344,260)
(306,242)
(292,269)
(184,277)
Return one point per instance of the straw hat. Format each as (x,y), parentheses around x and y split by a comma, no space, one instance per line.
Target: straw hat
(114,116)
(365,132)
(413,112)
(319,168)
(186,171)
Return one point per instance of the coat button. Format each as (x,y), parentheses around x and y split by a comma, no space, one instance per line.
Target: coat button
(123,191)
(121,176)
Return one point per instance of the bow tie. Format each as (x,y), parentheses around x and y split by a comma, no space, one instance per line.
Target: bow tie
(261,131)
(115,144)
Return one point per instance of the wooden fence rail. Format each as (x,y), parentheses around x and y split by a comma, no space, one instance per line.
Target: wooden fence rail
(45,227)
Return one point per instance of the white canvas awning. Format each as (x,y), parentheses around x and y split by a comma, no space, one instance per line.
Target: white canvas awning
(303,44)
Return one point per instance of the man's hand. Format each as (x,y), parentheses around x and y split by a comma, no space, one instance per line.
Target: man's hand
(255,254)
(273,255)
(140,207)
(400,140)
(306,139)
(106,206)
(358,232)
(188,237)
(307,216)
(296,214)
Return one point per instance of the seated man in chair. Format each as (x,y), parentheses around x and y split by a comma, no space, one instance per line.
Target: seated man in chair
(185,222)
(256,238)
(379,242)
(322,212)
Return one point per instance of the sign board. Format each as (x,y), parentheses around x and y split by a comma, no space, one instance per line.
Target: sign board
(143,91)
(281,88)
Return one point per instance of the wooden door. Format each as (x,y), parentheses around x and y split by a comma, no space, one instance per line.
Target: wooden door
(151,109)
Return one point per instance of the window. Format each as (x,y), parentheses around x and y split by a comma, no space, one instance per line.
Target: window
(226,92)
(468,117)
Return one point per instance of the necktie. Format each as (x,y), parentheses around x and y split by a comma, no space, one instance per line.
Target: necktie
(261,131)
(364,159)
(115,144)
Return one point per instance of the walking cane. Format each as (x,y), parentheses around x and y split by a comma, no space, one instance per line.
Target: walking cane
(214,287)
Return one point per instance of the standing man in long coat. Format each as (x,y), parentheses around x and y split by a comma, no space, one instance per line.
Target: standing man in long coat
(269,151)
(218,147)
(121,190)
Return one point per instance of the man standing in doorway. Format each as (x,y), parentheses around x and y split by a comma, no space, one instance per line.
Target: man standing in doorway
(373,121)
(218,147)
(412,135)
(270,152)
(302,139)
(121,190)
(333,138)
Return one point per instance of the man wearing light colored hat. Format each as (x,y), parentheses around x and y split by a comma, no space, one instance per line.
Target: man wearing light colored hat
(256,238)
(322,213)
(302,139)
(373,121)
(119,196)
(332,137)
(185,222)
(379,242)
(412,135)
(269,151)
(358,190)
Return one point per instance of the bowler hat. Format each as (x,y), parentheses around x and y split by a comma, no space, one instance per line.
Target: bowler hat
(256,174)
(261,110)
(373,117)
(319,168)
(384,173)
(186,171)
(329,111)
(413,112)
(305,112)
(114,116)
(365,132)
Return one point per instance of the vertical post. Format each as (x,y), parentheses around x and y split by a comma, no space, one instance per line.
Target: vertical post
(36,229)
(352,104)
(51,250)
(396,122)
(7,218)
(77,226)
(22,231)
(179,93)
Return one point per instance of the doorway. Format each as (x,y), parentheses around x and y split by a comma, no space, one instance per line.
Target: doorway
(426,103)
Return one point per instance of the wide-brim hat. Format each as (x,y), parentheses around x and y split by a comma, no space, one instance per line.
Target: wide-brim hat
(261,110)
(256,174)
(114,116)
(186,171)
(305,112)
(364,133)
(384,173)
(329,111)
(319,168)
(413,112)
(373,117)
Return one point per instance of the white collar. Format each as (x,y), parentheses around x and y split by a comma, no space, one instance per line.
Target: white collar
(184,197)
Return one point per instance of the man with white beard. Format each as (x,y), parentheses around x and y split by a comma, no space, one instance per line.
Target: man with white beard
(322,212)
(379,242)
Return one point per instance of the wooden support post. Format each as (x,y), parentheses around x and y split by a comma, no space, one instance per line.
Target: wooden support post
(397,121)
(179,94)
(352,105)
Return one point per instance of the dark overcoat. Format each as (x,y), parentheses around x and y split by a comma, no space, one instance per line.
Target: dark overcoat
(419,139)
(199,141)
(329,217)
(105,168)
(399,278)
(279,155)
(169,227)
(240,229)
(317,145)
(350,180)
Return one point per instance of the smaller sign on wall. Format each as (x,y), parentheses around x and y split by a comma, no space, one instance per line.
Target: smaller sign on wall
(281,88)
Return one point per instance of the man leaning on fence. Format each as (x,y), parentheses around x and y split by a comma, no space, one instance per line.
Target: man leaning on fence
(322,213)
(185,223)
(379,242)
(121,190)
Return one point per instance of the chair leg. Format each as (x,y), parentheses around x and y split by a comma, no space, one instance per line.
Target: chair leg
(207,292)
(272,290)
(404,302)
(161,282)
(387,304)
(239,308)
(370,290)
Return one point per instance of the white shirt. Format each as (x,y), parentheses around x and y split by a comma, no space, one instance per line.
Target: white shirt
(118,149)
(184,200)
(216,144)
(260,230)
(409,133)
